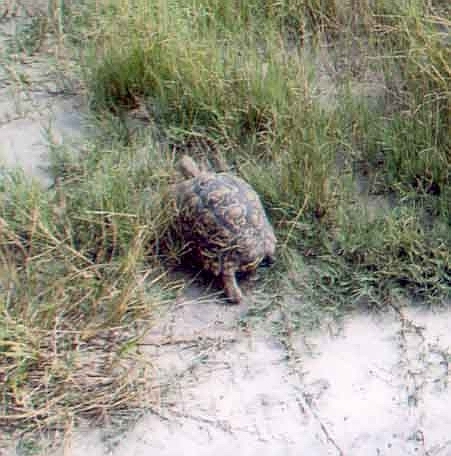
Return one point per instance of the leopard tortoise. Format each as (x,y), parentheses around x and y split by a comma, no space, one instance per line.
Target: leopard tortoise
(222,220)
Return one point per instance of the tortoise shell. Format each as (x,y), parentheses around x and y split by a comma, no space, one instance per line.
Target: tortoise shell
(224,224)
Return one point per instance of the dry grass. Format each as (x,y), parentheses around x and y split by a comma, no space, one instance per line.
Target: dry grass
(80,285)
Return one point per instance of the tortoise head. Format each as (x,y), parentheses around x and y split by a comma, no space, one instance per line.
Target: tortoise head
(189,167)
(270,243)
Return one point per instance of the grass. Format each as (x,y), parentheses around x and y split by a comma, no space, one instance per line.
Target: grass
(278,93)
(80,285)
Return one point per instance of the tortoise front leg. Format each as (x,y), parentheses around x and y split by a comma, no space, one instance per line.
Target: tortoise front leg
(230,285)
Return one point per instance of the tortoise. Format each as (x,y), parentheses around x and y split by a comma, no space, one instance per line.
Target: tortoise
(224,224)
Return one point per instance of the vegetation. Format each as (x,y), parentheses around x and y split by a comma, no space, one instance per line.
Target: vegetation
(337,112)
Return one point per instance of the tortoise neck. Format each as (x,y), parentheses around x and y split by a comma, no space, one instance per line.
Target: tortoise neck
(189,167)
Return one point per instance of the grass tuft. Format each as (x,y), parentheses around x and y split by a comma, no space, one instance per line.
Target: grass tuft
(79,272)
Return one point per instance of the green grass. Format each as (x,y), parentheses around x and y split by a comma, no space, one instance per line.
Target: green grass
(252,85)
(80,271)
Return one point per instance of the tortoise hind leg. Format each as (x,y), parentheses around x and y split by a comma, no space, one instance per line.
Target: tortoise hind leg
(231,288)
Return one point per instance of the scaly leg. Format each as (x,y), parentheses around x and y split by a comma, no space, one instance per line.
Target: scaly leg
(231,287)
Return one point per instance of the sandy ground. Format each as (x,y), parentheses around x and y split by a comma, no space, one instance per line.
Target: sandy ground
(377,384)
(36,104)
